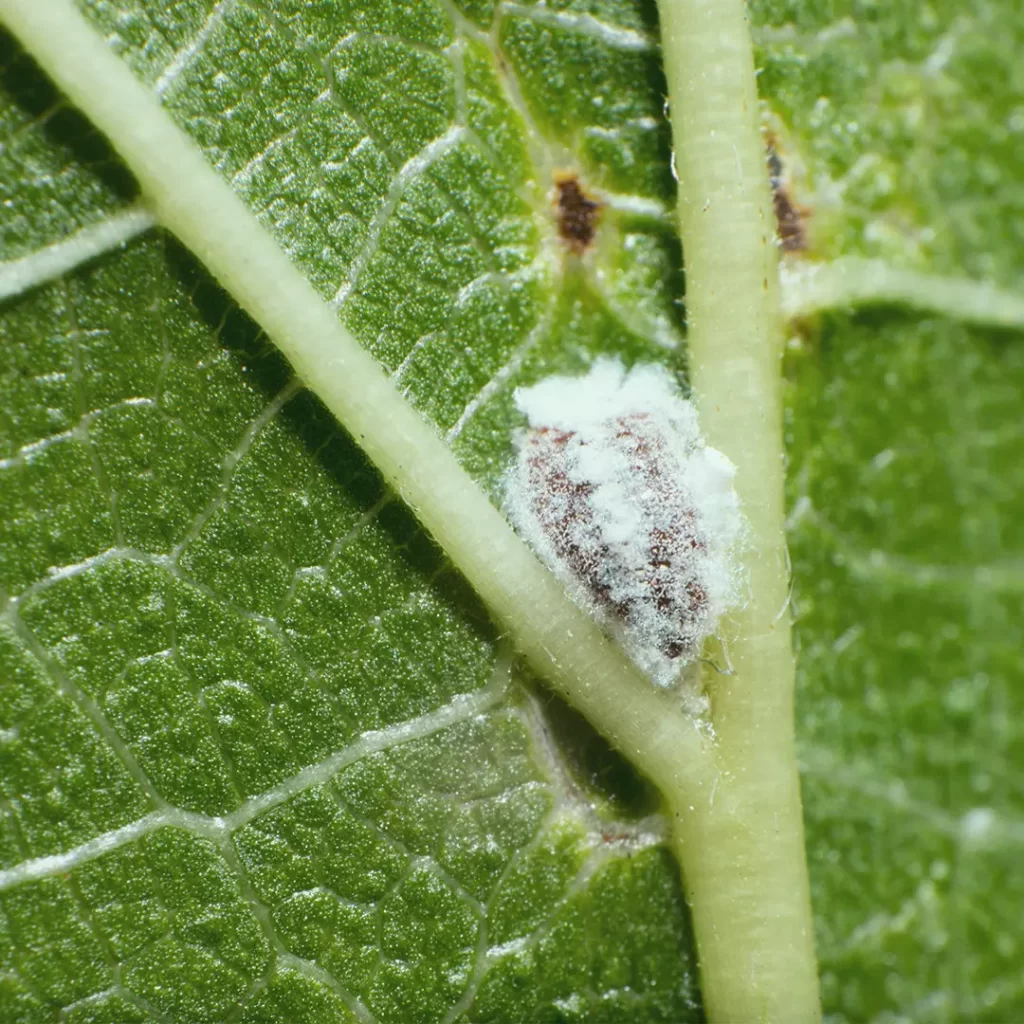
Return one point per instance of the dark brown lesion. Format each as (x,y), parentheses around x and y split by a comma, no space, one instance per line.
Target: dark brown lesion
(790,216)
(578,213)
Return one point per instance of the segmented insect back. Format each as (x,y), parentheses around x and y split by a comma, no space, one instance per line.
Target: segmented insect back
(617,492)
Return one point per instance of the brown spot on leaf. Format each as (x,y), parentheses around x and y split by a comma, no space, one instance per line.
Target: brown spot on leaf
(790,216)
(577,213)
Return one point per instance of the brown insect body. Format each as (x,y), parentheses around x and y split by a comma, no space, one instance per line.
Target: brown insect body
(616,491)
(669,581)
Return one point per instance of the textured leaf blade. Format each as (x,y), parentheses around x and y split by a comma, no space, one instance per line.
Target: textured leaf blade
(241,603)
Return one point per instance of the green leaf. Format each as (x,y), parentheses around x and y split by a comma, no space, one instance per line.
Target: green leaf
(905,490)
(263,757)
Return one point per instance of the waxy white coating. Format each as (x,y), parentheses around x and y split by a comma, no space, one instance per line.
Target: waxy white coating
(617,492)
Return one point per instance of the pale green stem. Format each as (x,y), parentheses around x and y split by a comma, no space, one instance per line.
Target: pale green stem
(809,288)
(743,853)
(191,199)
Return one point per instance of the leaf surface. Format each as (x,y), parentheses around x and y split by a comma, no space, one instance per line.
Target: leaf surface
(262,755)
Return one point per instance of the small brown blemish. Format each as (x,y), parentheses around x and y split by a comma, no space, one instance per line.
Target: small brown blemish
(790,216)
(578,213)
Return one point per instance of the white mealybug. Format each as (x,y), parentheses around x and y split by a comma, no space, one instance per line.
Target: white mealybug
(618,494)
